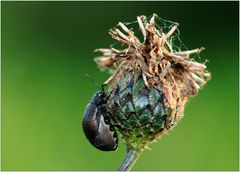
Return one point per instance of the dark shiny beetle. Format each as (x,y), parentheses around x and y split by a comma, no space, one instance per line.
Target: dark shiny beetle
(96,124)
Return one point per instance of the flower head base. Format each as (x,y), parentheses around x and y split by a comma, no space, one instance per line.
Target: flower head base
(151,81)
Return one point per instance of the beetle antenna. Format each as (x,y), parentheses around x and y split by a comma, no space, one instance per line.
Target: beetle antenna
(93,81)
(109,94)
(102,87)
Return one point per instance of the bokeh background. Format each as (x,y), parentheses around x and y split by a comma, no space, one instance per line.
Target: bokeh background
(47,48)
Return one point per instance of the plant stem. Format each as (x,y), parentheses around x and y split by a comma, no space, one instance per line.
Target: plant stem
(130,158)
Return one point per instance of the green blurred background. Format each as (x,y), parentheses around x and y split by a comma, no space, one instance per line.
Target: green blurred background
(47,48)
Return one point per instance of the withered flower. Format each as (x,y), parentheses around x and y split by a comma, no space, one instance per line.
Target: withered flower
(150,84)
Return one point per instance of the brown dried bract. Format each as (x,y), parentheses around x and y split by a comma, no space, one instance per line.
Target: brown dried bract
(172,72)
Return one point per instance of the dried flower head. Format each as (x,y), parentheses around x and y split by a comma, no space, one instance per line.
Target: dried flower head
(151,81)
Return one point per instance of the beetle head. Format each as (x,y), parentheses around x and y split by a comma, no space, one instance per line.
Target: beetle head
(99,97)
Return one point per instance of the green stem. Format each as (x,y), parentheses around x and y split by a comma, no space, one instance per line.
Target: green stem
(130,158)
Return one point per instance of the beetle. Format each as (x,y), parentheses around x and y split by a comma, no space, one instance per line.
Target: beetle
(96,123)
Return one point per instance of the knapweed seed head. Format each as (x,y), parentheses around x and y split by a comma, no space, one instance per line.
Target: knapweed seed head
(151,81)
